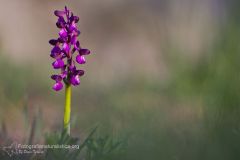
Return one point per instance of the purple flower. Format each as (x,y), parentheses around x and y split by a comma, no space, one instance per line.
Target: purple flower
(58,64)
(64,47)
(75,80)
(57,86)
(80,59)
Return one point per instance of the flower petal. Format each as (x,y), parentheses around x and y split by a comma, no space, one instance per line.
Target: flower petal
(56,77)
(79,72)
(76,32)
(63,33)
(66,48)
(57,86)
(72,27)
(59,63)
(75,80)
(61,22)
(53,42)
(80,59)
(56,51)
(74,18)
(73,40)
(59,13)
(84,52)
(77,45)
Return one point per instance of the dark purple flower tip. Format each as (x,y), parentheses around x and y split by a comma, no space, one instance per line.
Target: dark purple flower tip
(57,78)
(79,72)
(61,22)
(53,42)
(80,59)
(77,45)
(66,10)
(57,86)
(59,63)
(61,40)
(63,33)
(56,51)
(75,80)
(74,18)
(59,13)
(84,52)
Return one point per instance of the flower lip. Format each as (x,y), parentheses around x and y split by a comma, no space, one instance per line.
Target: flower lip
(80,59)
(63,33)
(56,51)
(59,63)
(57,86)
(74,80)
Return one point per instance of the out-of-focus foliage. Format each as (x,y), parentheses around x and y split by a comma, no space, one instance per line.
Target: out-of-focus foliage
(92,148)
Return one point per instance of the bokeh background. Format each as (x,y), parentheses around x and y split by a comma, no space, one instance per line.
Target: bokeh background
(163,74)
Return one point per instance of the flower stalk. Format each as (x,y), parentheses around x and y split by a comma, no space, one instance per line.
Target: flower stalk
(67,109)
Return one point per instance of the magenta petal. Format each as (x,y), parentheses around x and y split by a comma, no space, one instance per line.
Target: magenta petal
(59,63)
(66,47)
(57,86)
(80,59)
(74,40)
(63,33)
(75,80)
(76,32)
(72,27)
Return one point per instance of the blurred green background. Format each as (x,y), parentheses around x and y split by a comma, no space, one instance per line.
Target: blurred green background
(164,74)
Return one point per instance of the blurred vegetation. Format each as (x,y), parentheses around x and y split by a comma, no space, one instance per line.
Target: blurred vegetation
(92,148)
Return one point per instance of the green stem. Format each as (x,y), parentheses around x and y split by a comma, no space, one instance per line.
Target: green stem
(67,109)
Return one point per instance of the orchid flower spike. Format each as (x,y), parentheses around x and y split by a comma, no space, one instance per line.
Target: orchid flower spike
(64,48)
